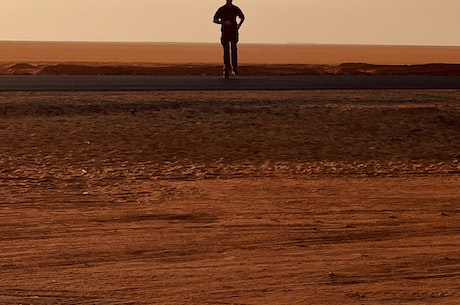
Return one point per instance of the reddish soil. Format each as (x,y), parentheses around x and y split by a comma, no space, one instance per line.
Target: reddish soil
(318,197)
(210,69)
(184,53)
(205,59)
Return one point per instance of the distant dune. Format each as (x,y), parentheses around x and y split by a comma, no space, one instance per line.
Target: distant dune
(209,69)
(66,58)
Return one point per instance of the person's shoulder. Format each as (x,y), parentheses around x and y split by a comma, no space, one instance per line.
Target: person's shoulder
(237,8)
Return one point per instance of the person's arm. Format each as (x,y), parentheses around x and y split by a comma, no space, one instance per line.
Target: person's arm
(217,19)
(242,17)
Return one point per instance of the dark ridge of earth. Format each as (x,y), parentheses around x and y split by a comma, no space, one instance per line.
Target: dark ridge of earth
(434,69)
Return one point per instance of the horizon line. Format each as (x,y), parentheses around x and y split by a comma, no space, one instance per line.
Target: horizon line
(217,43)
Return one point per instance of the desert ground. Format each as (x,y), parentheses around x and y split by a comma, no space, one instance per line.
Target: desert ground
(229,197)
(261,197)
(177,53)
(45,58)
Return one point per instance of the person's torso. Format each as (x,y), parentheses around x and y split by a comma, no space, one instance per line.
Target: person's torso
(229,14)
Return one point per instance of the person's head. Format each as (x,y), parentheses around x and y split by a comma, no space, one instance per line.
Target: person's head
(229,2)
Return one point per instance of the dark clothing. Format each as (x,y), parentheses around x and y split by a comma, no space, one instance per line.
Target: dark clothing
(230,37)
(230,45)
(229,13)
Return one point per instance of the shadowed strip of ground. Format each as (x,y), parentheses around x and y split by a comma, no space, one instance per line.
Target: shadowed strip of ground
(154,83)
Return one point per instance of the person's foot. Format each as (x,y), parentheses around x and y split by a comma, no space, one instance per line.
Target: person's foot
(225,74)
(235,72)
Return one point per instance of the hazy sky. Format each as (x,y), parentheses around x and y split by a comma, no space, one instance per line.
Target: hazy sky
(420,22)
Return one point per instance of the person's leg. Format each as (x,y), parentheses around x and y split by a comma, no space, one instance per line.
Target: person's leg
(235,57)
(227,65)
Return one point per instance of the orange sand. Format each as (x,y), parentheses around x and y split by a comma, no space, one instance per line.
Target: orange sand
(205,59)
(49,52)
(298,197)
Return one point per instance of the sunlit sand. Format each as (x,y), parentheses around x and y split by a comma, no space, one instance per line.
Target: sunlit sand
(205,59)
(227,197)
(40,52)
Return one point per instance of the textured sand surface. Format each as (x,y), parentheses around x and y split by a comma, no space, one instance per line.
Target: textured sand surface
(294,197)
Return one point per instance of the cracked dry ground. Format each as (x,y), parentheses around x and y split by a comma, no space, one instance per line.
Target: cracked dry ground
(318,197)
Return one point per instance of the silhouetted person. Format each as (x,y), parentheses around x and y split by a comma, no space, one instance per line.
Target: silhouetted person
(226,16)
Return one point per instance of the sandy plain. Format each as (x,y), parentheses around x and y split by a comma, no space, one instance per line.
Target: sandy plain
(260,197)
(176,53)
(296,197)
(47,58)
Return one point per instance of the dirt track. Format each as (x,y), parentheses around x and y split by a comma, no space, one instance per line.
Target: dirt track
(319,197)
